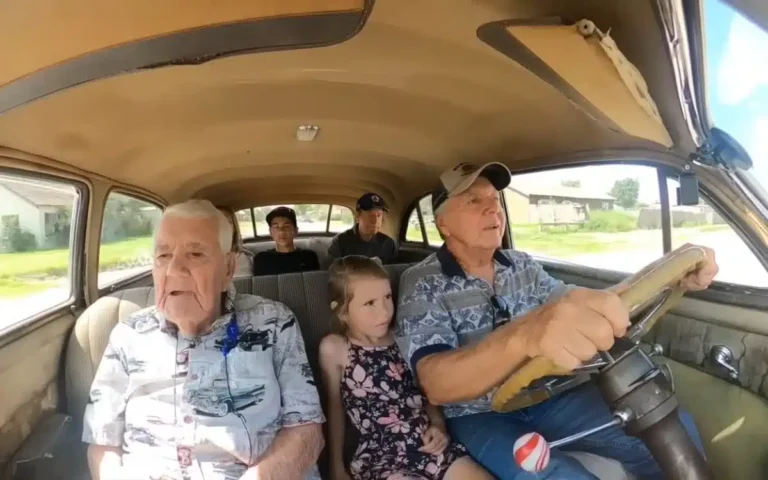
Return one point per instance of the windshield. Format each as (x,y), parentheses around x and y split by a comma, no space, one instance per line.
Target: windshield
(737,78)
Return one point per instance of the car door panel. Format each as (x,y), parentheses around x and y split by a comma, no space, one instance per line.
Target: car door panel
(30,368)
(732,419)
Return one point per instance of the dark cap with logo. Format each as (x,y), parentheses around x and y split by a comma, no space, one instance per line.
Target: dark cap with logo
(284,212)
(370,201)
(463,175)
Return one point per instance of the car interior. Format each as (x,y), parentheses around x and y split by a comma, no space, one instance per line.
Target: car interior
(257,104)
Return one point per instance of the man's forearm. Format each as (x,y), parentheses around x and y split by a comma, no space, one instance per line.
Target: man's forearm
(105,462)
(292,453)
(469,372)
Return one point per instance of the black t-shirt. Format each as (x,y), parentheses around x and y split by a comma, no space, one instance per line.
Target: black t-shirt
(272,262)
(350,243)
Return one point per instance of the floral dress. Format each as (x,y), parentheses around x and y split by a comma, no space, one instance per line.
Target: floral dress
(388,410)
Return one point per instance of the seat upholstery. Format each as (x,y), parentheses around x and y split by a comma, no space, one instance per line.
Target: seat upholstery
(306,294)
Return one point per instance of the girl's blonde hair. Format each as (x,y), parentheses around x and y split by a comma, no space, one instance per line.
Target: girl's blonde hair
(342,271)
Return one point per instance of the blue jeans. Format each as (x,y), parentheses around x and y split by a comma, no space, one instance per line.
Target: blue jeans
(490,437)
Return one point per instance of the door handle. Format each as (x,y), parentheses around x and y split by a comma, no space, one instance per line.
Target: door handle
(721,356)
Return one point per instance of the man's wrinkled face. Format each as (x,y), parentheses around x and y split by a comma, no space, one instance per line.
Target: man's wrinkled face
(190,269)
(475,217)
(369,222)
(283,231)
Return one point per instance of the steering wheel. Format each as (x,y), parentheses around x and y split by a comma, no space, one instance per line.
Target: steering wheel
(657,281)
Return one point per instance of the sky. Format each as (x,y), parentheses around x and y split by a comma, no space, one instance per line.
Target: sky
(737,91)
(737,77)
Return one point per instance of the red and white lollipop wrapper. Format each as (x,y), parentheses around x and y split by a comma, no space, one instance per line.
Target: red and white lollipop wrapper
(532,452)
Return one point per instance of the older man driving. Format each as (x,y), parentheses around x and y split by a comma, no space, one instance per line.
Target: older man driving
(207,384)
(453,322)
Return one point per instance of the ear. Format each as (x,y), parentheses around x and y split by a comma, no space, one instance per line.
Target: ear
(231,260)
(442,228)
(334,305)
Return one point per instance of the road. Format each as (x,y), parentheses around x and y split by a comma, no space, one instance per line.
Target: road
(17,309)
(737,263)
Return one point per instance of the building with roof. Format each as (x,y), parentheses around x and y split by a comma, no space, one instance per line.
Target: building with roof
(555,203)
(38,207)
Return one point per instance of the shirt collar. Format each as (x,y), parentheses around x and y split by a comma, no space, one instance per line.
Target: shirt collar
(227,309)
(450,266)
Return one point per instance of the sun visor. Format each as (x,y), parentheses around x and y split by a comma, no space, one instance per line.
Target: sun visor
(38,34)
(585,64)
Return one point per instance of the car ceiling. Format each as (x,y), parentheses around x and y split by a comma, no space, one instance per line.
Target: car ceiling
(413,92)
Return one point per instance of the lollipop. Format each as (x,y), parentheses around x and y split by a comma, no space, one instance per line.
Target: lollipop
(531,452)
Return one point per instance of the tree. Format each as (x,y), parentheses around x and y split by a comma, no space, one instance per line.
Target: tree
(626,192)
(571,183)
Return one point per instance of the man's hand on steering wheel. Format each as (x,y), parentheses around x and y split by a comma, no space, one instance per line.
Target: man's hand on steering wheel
(701,278)
(574,328)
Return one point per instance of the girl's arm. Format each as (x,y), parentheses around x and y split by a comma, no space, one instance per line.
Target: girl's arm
(333,355)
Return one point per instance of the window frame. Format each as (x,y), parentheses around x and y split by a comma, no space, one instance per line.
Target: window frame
(256,238)
(77,257)
(414,205)
(127,281)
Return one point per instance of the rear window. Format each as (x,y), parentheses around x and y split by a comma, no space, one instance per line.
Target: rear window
(310,218)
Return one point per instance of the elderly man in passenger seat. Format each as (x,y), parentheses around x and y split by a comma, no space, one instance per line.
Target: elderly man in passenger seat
(453,323)
(207,384)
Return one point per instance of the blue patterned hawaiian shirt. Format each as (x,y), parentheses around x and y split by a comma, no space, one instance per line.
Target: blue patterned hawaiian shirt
(441,307)
(181,410)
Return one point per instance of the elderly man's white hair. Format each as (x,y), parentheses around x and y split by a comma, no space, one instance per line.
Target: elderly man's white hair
(204,209)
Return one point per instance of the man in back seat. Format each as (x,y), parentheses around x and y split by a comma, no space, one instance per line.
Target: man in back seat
(471,314)
(285,257)
(365,237)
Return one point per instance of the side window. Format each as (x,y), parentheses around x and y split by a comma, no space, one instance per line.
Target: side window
(433,237)
(126,238)
(702,225)
(341,219)
(245,223)
(413,232)
(36,239)
(600,216)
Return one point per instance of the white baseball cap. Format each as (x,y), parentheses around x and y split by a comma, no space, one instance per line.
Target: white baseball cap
(463,175)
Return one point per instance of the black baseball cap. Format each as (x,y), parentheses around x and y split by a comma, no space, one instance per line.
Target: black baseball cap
(284,212)
(463,175)
(369,201)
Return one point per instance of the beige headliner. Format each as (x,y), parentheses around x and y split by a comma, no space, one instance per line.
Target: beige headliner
(414,92)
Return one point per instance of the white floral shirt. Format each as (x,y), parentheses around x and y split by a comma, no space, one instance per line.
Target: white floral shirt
(177,414)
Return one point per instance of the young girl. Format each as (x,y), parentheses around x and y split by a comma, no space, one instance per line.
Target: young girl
(401,436)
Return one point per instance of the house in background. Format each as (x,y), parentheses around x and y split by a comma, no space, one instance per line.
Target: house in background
(555,203)
(36,207)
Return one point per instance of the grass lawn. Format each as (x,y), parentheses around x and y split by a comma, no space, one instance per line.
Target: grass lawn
(29,272)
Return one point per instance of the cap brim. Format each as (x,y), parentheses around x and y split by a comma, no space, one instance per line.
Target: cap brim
(497,173)
(373,207)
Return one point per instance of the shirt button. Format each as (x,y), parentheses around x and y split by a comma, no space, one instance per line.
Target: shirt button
(187,419)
